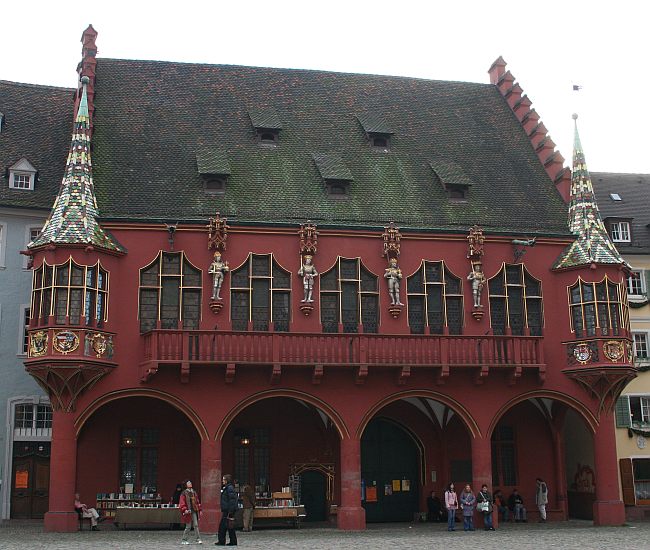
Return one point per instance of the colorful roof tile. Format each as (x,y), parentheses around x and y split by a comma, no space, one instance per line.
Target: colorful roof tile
(73,219)
(592,244)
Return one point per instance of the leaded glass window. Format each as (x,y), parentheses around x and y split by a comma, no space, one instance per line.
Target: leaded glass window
(170,293)
(349,295)
(139,458)
(260,292)
(504,459)
(516,301)
(598,309)
(74,294)
(435,300)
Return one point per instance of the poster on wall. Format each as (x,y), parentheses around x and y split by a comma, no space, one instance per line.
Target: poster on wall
(397,485)
(406,485)
(22,479)
(388,489)
(371,494)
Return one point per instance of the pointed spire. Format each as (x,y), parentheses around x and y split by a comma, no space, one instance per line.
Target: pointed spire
(73,220)
(592,244)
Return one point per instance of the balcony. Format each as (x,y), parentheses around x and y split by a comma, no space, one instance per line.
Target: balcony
(602,366)
(65,361)
(363,352)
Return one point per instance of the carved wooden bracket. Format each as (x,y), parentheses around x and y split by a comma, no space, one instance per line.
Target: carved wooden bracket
(395,311)
(481,375)
(404,375)
(603,383)
(442,375)
(317,375)
(362,374)
(276,372)
(230,373)
(185,372)
(478,313)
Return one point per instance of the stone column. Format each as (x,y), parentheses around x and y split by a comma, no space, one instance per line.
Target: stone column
(608,508)
(61,517)
(351,515)
(210,485)
(482,472)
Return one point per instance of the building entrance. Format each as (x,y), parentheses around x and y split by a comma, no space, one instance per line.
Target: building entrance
(30,479)
(390,472)
(314,487)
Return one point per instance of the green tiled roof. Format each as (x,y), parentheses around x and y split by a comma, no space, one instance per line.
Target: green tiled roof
(374,123)
(450,173)
(592,244)
(36,127)
(211,160)
(73,219)
(152,117)
(332,167)
(265,117)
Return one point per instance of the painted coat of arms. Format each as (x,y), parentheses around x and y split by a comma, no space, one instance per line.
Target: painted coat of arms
(613,350)
(65,341)
(582,353)
(38,343)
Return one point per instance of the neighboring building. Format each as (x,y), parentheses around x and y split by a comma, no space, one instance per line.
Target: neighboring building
(178,342)
(34,138)
(625,203)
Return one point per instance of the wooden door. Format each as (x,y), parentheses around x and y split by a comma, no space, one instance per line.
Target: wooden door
(30,480)
(627,481)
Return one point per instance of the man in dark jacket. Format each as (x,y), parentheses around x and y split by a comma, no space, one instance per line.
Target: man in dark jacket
(228,508)
(516,505)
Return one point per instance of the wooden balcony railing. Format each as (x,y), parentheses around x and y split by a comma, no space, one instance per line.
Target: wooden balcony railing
(309,349)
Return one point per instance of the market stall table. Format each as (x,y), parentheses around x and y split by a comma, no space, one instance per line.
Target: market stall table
(143,515)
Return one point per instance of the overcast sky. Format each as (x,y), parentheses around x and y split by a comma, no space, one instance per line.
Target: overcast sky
(549,46)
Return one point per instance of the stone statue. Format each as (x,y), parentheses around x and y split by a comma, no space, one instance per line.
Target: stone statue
(308,272)
(394,275)
(218,269)
(478,282)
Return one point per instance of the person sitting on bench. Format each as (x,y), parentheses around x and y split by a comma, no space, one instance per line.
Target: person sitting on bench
(85,512)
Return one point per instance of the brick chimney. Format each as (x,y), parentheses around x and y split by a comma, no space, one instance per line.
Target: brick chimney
(87,67)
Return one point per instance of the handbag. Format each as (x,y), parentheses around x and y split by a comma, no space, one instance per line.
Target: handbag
(483,506)
(231,522)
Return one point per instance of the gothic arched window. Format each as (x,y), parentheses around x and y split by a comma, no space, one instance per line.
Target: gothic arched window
(260,292)
(170,292)
(435,299)
(74,294)
(349,296)
(597,308)
(516,301)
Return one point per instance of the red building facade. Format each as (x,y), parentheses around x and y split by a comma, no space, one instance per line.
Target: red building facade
(499,361)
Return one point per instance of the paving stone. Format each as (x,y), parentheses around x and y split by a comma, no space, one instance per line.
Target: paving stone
(571,534)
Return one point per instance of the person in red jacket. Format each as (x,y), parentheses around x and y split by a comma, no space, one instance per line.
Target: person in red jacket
(190,508)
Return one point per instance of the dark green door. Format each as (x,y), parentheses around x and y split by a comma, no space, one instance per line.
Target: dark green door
(389,455)
(313,495)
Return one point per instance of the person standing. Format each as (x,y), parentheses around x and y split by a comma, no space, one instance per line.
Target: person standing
(468,503)
(228,509)
(451,503)
(434,507)
(484,496)
(190,508)
(248,499)
(86,512)
(541,499)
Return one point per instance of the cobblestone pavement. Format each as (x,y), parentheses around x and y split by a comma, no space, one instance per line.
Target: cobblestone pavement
(571,534)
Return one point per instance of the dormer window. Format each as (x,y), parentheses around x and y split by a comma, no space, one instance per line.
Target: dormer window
(335,173)
(267,125)
(22,175)
(215,184)
(620,232)
(267,137)
(453,179)
(214,168)
(377,131)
